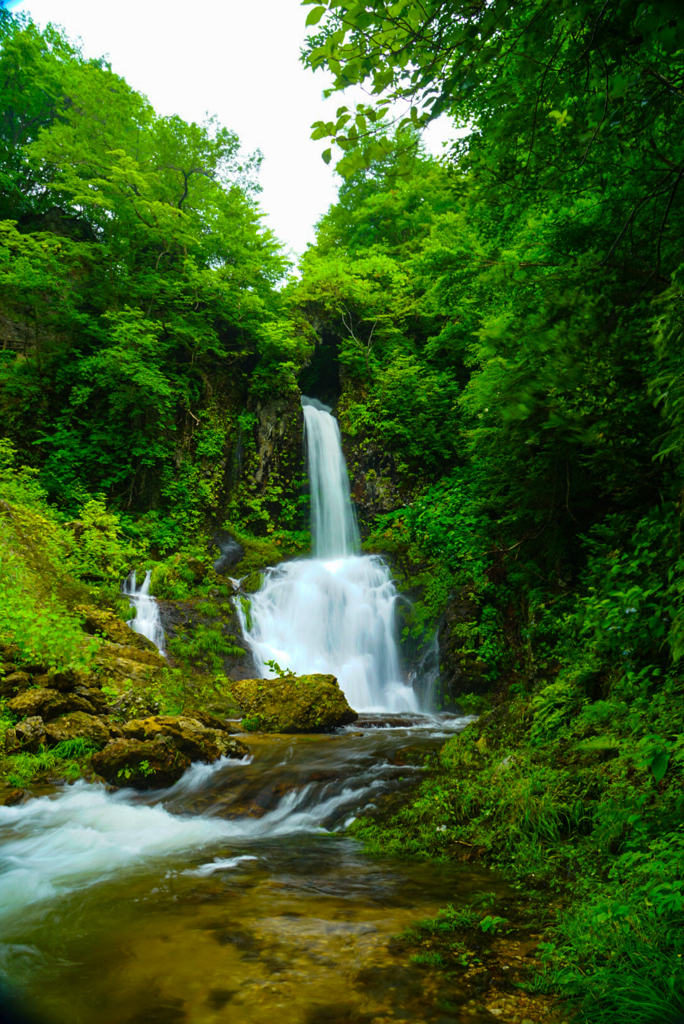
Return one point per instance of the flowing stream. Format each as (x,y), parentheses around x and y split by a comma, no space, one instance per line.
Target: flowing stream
(236,896)
(231,897)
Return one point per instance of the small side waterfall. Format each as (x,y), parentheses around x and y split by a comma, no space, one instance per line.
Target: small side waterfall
(147,621)
(333,613)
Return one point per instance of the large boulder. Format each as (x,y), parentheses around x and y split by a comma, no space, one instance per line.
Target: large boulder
(81,726)
(48,703)
(142,764)
(189,734)
(313,703)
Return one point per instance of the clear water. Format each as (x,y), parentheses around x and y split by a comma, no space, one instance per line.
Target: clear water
(231,897)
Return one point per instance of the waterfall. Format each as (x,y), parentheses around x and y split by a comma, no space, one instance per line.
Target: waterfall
(333,522)
(333,613)
(147,621)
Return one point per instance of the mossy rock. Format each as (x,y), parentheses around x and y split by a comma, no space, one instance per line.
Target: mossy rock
(129,663)
(50,704)
(141,764)
(100,622)
(79,725)
(201,738)
(312,703)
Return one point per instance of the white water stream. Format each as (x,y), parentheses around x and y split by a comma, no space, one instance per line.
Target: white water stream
(147,621)
(333,613)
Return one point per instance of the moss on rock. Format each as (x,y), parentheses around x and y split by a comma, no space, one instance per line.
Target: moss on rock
(311,703)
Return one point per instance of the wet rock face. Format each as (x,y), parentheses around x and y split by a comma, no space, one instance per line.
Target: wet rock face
(376,485)
(313,703)
(461,670)
(230,552)
(182,619)
(272,471)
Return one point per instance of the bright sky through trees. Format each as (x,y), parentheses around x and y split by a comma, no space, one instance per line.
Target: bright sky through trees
(237,60)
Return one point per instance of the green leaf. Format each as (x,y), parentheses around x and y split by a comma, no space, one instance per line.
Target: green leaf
(315,15)
(659,765)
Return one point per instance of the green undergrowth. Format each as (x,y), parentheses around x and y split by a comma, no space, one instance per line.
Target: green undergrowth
(205,647)
(38,581)
(173,691)
(261,552)
(67,760)
(590,809)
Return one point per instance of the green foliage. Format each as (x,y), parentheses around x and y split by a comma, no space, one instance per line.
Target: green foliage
(205,647)
(34,615)
(102,551)
(138,279)
(252,724)
(281,673)
(67,760)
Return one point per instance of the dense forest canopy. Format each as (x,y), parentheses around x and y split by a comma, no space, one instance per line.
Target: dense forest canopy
(501,334)
(134,258)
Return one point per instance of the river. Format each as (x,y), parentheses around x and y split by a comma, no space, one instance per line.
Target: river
(234,896)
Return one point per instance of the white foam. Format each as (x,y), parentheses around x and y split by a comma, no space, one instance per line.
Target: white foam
(219,865)
(52,846)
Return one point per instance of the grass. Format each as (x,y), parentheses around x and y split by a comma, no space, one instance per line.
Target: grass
(67,760)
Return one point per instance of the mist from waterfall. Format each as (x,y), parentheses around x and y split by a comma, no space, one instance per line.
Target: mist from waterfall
(333,613)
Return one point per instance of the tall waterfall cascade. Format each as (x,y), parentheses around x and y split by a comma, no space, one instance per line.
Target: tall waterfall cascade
(333,613)
(147,621)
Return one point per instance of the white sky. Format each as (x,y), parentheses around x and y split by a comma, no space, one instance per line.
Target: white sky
(238,59)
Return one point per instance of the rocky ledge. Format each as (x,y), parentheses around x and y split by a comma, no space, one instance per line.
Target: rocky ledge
(313,703)
(56,707)
(156,751)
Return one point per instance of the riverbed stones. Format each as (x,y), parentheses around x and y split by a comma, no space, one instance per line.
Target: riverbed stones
(142,764)
(199,741)
(311,703)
